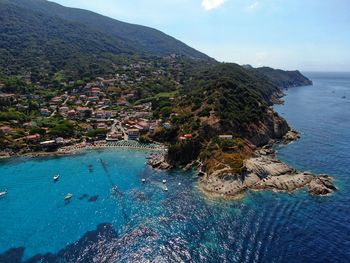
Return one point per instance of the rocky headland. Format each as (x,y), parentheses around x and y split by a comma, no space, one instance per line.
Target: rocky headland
(222,175)
(264,172)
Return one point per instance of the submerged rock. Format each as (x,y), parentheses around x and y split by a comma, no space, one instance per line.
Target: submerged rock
(93,198)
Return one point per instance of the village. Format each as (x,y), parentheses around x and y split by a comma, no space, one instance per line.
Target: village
(103,110)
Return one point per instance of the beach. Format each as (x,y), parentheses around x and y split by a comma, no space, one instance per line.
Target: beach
(82,146)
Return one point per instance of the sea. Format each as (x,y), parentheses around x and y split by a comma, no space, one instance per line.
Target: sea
(115,217)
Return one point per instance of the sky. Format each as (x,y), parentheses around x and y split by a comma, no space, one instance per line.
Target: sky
(309,35)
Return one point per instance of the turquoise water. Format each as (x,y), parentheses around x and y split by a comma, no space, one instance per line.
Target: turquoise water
(142,222)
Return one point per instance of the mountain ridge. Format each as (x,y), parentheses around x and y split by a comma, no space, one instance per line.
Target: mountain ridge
(46,38)
(113,27)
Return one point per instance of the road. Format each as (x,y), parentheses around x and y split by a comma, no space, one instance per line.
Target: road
(117,126)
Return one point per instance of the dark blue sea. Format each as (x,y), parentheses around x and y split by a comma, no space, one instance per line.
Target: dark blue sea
(140,222)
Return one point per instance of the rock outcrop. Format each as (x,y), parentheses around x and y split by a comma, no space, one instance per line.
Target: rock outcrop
(157,161)
(266,173)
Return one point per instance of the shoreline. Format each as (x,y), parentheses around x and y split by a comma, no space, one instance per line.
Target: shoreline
(265,172)
(80,147)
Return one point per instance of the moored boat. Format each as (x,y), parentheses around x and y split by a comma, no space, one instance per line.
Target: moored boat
(56,177)
(3,194)
(164,181)
(68,196)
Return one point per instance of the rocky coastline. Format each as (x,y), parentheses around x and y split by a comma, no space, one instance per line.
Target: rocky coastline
(264,172)
(158,161)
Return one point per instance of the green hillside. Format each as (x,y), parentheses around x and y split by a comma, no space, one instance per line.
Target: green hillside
(141,38)
(39,38)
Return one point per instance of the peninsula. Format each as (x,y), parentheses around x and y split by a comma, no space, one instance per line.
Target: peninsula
(82,79)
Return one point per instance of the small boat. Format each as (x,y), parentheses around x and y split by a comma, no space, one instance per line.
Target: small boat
(2,194)
(166,189)
(56,177)
(68,197)
(143,180)
(164,181)
(179,184)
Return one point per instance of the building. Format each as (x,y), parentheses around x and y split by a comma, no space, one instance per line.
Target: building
(59,140)
(101,125)
(188,136)
(143,125)
(7,95)
(34,137)
(63,110)
(55,101)
(133,134)
(114,136)
(95,91)
(225,137)
(167,125)
(100,115)
(5,129)
(45,112)
(71,114)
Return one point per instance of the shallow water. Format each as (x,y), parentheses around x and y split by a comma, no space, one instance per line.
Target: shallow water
(141,222)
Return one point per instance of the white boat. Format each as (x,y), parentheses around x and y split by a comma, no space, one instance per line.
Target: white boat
(68,196)
(143,180)
(2,194)
(56,177)
(164,181)
(166,189)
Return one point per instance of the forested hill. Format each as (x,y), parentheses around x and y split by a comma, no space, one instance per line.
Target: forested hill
(145,39)
(41,36)
(284,79)
(42,41)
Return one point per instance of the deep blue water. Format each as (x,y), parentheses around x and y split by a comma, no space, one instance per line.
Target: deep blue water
(142,222)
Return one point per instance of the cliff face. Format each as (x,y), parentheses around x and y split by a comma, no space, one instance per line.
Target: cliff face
(184,153)
(271,127)
(256,134)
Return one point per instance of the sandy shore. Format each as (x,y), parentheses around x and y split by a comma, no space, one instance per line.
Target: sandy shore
(80,147)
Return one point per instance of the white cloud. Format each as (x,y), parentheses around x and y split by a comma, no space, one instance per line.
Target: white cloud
(212,4)
(254,6)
